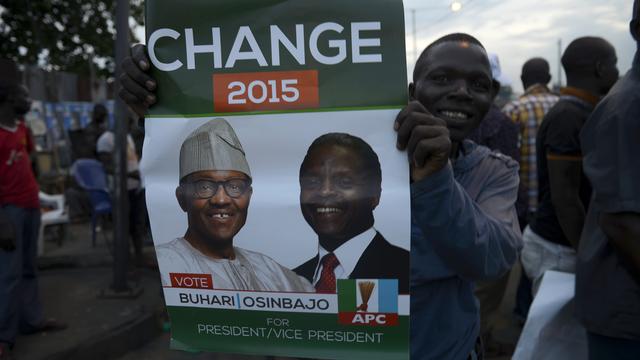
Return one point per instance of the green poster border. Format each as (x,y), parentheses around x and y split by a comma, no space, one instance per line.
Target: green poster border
(275,112)
(184,338)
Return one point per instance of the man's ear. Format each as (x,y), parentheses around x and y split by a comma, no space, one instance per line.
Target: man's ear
(181,197)
(495,89)
(412,90)
(598,70)
(634,27)
(375,199)
(374,202)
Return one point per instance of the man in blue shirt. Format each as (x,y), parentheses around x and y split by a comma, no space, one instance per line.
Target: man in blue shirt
(464,221)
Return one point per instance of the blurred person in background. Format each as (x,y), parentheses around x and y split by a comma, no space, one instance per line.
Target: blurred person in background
(552,236)
(98,125)
(20,307)
(105,147)
(84,140)
(84,143)
(607,294)
(527,113)
(498,133)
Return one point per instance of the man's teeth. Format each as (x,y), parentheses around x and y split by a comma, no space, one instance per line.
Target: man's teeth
(455,115)
(326,210)
(220,216)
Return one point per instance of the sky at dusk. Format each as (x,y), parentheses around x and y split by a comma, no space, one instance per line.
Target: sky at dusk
(517,30)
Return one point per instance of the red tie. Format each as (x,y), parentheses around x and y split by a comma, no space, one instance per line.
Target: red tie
(327,282)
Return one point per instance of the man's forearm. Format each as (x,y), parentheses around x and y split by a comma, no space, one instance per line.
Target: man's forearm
(623,232)
(571,217)
(473,243)
(564,180)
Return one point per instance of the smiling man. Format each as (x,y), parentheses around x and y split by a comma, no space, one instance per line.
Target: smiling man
(340,186)
(464,221)
(215,191)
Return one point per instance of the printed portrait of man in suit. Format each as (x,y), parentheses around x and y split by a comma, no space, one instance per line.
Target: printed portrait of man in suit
(340,187)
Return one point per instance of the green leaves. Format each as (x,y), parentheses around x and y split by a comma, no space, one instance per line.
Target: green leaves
(64,35)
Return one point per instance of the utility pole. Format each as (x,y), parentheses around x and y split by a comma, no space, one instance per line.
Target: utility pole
(121,219)
(559,63)
(415,43)
(119,288)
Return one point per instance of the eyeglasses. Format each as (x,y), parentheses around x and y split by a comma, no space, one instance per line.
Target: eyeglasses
(205,189)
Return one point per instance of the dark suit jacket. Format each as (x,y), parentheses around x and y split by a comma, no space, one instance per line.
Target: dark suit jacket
(380,260)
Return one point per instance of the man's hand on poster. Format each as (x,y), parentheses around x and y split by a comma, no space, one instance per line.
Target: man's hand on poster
(137,87)
(426,139)
(7,234)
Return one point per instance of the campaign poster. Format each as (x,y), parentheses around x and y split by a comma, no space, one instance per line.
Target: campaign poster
(279,204)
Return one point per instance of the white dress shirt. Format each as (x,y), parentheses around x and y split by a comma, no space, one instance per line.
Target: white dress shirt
(348,255)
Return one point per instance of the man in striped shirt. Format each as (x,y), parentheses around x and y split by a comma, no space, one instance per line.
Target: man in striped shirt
(528,111)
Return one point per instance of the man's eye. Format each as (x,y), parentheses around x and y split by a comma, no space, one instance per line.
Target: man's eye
(441,78)
(480,84)
(310,182)
(345,182)
(204,186)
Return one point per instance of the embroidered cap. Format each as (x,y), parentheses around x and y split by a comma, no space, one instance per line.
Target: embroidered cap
(212,146)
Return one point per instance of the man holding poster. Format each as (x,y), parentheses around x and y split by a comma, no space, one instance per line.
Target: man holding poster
(215,191)
(464,221)
(340,186)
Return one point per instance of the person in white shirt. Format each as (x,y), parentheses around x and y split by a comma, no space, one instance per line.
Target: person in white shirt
(137,211)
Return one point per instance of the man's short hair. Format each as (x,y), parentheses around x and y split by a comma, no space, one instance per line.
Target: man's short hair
(535,67)
(535,71)
(99,109)
(370,161)
(583,53)
(455,37)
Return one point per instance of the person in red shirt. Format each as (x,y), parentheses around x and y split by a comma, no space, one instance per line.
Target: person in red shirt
(20,306)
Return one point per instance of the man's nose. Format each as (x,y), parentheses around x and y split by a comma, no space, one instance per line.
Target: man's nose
(220,196)
(461,90)
(326,187)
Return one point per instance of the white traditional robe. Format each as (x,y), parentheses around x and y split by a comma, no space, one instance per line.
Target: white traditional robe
(248,271)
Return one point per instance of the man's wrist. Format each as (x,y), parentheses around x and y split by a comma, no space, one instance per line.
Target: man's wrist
(433,181)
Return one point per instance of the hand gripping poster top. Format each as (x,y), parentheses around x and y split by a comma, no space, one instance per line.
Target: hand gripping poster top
(279,204)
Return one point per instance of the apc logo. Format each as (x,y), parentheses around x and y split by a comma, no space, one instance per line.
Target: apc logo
(368,302)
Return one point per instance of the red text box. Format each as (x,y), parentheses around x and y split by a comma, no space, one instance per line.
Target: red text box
(274,90)
(191,281)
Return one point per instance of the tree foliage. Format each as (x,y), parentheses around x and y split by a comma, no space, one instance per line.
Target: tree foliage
(64,35)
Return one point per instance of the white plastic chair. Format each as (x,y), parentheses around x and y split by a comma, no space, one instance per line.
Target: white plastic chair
(57,216)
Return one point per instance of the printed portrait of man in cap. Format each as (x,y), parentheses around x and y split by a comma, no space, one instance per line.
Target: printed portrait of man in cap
(340,187)
(215,192)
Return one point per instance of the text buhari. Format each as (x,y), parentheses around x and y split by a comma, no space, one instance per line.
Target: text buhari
(326,43)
